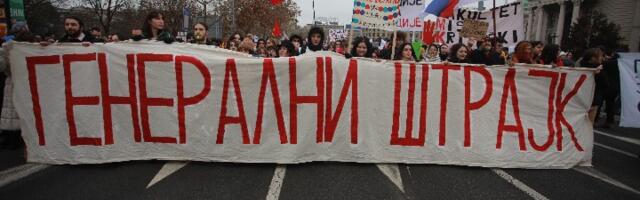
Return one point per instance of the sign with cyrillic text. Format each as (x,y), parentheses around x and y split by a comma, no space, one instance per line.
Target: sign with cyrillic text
(139,101)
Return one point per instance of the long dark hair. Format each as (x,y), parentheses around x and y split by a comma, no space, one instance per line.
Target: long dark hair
(290,48)
(453,53)
(401,49)
(588,55)
(357,42)
(550,54)
(146,27)
(315,30)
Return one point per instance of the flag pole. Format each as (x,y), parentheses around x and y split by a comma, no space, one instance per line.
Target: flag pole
(350,39)
(495,25)
(393,44)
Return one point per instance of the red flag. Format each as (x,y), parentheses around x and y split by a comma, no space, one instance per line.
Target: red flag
(276,28)
(276,2)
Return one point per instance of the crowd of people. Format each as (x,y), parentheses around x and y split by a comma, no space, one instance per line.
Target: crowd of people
(485,51)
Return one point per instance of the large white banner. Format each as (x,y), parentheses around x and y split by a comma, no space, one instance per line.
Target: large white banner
(134,101)
(509,18)
(629,64)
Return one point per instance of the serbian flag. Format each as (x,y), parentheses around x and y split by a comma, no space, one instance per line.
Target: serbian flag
(445,8)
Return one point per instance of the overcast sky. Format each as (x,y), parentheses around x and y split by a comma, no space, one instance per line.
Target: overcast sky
(340,9)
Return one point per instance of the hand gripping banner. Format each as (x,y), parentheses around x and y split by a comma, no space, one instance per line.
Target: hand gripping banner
(141,101)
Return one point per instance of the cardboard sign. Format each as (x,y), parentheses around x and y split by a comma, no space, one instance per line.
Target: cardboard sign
(474,28)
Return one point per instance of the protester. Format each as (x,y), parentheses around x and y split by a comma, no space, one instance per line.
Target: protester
(612,92)
(271,43)
(376,54)
(233,45)
(154,29)
(567,59)
(593,58)
(523,54)
(486,54)
(432,54)
(444,52)
(401,38)
(315,40)
(235,37)
(17,29)
(537,46)
(272,52)
(296,40)
(200,34)
(361,47)
(96,33)
(551,56)
(339,48)
(246,46)
(9,119)
(261,44)
(74,32)
(114,38)
(286,49)
(331,47)
(405,53)
(459,53)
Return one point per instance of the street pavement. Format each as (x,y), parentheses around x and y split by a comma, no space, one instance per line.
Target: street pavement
(615,175)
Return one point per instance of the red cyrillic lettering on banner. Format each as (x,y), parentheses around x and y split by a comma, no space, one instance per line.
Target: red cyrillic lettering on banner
(443,100)
(294,100)
(397,87)
(554,83)
(269,75)
(73,101)
(468,105)
(231,74)
(510,87)
(350,81)
(561,103)
(146,101)
(108,100)
(185,101)
(33,86)
(408,140)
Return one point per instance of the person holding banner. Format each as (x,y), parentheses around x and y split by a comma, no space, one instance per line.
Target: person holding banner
(486,54)
(537,46)
(286,49)
(406,53)
(362,47)
(432,54)
(444,52)
(74,29)
(200,32)
(551,56)
(593,58)
(523,54)
(315,40)
(459,53)
(296,40)
(154,29)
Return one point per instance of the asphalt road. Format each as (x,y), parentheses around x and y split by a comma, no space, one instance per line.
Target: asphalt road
(615,175)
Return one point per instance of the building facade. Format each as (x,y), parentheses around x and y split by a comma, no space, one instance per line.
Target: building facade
(550,20)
